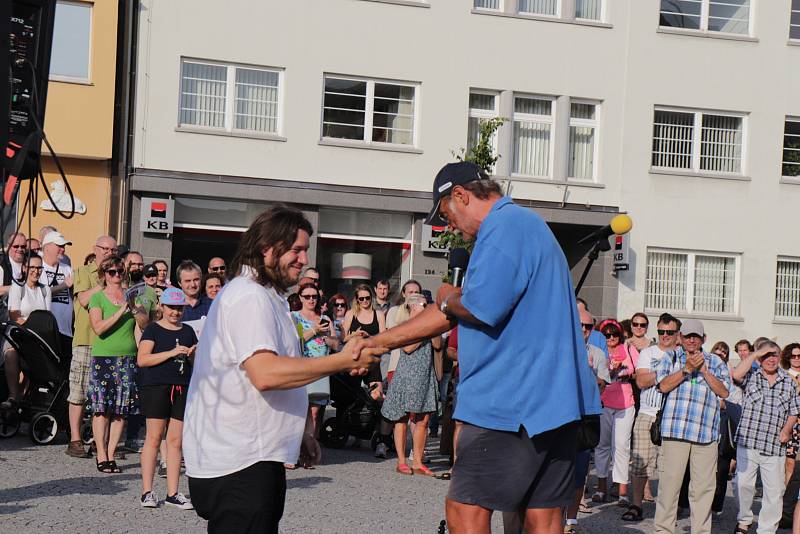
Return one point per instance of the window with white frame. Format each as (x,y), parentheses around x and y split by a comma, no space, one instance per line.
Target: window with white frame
(482,107)
(229,97)
(692,282)
(70,56)
(791,148)
(369,111)
(533,126)
(722,16)
(794,21)
(787,289)
(583,9)
(582,140)
(698,141)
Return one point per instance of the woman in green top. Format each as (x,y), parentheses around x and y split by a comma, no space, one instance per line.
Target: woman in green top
(112,387)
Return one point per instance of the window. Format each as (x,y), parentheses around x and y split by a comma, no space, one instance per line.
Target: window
(691,282)
(369,111)
(794,22)
(533,124)
(697,141)
(787,289)
(72,32)
(482,106)
(722,16)
(583,9)
(230,98)
(582,128)
(791,148)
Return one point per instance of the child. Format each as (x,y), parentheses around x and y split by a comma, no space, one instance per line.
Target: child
(164,371)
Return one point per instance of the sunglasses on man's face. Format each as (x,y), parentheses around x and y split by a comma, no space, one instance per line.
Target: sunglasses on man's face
(639,325)
(23,247)
(587,326)
(662,332)
(218,268)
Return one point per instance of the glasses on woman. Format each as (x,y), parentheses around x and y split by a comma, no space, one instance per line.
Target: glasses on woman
(310,297)
(115,272)
(794,356)
(609,335)
(35,268)
(340,304)
(364,299)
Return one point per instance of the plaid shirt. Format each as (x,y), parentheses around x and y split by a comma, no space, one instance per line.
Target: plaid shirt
(765,410)
(691,411)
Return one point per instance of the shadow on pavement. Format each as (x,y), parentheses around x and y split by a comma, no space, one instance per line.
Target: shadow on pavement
(111,485)
(307,482)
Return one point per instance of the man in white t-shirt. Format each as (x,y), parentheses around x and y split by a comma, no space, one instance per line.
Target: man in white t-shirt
(644,455)
(58,276)
(247,404)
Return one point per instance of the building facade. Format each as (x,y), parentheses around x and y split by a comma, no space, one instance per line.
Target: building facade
(681,113)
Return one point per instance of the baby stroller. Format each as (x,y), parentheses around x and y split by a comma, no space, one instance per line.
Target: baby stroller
(44,404)
(357,414)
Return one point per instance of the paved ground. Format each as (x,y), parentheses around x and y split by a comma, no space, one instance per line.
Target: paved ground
(42,490)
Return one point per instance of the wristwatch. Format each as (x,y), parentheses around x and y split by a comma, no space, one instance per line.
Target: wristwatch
(686,373)
(443,306)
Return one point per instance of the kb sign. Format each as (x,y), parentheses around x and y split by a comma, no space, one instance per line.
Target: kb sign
(430,236)
(157,215)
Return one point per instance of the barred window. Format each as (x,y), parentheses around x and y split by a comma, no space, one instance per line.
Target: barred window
(488,4)
(697,141)
(791,148)
(787,289)
(691,282)
(230,98)
(794,21)
(539,7)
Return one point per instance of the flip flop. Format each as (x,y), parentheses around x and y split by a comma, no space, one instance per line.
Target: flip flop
(424,470)
(403,469)
(632,514)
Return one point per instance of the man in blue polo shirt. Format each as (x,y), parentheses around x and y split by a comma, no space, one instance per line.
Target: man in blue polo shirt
(525,381)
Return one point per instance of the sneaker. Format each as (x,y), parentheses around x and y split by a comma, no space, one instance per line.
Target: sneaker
(162,469)
(380,451)
(179,501)
(149,500)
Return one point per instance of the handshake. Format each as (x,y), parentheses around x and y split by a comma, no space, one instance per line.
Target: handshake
(359,353)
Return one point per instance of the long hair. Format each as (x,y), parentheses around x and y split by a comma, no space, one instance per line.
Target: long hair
(786,354)
(274,229)
(354,304)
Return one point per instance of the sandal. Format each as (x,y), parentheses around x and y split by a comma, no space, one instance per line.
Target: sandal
(104,467)
(599,496)
(634,513)
(424,470)
(623,502)
(290,467)
(584,508)
(403,469)
(113,466)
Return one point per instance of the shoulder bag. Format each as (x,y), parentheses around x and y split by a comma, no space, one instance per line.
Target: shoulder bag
(655,427)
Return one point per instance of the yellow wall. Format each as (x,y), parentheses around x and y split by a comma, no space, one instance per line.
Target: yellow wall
(79,118)
(90,184)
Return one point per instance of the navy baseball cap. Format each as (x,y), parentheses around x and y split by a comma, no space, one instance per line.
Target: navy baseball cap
(451,175)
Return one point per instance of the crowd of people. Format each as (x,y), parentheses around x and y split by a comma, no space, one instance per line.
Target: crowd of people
(693,418)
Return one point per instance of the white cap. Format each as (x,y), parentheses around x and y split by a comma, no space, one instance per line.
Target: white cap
(55,238)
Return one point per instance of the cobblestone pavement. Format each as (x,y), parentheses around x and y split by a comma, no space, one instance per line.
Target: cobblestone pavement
(42,490)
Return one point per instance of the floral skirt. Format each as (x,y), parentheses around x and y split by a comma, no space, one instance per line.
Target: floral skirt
(112,386)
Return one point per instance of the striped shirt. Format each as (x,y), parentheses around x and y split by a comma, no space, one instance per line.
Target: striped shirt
(691,411)
(650,398)
(765,410)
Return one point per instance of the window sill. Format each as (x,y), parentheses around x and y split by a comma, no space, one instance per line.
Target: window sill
(793,42)
(538,180)
(707,34)
(326,141)
(702,316)
(789,180)
(74,81)
(695,174)
(542,18)
(223,133)
(411,3)
(786,321)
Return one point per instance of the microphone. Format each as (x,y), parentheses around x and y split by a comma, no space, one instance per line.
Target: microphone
(459,258)
(620,225)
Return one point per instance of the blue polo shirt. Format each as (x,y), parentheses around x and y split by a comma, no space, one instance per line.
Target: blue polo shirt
(199,310)
(526,366)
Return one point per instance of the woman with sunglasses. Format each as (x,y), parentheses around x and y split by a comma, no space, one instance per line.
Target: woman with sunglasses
(112,385)
(414,393)
(338,307)
(23,299)
(319,338)
(616,422)
(790,360)
(164,358)
(362,319)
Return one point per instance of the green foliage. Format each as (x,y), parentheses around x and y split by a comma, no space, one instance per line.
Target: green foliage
(482,154)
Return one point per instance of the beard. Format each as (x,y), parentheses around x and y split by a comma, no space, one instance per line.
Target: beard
(136,276)
(281,277)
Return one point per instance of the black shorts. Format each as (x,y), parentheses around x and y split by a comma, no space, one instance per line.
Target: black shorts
(509,471)
(163,402)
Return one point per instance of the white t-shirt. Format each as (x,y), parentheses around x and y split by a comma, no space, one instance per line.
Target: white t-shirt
(16,269)
(650,398)
(24,299)
(230,425)
(62,300)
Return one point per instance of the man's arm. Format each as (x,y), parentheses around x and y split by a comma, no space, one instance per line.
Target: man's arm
(430,322)
(746,365)
(645,378)
(786,431)
(84,296)
(716,385)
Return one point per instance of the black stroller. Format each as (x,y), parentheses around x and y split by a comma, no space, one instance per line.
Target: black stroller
(357,414)
(46,365)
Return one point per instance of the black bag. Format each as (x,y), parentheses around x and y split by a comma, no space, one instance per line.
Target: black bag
(588,432)
(655,427)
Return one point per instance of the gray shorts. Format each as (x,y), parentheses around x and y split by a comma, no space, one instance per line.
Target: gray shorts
(509,471)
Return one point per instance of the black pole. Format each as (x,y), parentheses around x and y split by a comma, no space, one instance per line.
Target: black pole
(601,245)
